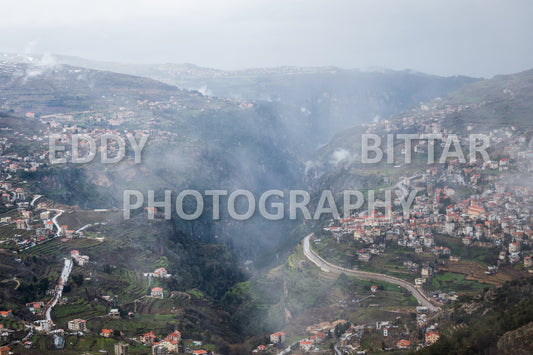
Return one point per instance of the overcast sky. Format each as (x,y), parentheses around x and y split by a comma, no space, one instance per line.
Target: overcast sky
(445,37)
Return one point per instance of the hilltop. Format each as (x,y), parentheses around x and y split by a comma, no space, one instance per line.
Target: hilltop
(311,103)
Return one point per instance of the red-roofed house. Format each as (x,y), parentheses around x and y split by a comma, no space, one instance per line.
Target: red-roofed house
(403,344)
(49,225)
(175,336)
(261,348)
(431,337)
(148,338)
(157,292)
(6,314)
(306,345)
(106,333)
(278,337)
(161,272)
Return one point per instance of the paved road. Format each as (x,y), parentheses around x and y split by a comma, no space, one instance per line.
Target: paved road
(67,268)
(54,219)
(35,198)
(83,228)
(365,275)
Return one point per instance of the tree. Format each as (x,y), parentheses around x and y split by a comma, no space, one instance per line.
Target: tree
(107,269)
(43,285)
(78,279)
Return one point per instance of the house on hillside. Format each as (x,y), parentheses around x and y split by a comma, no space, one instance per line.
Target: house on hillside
(6,314)
(81,260)
(122,349)
(77,325)
(148,338)
(431,338)
(49,225)
(21,224)
(175,336)
(278,337)
(114,312)
(161,273)
(171,345)
(157,292)
(306,345)
(106,333)
(35,307)
(403,344)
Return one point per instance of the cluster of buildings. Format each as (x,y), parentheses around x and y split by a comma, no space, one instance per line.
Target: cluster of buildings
(169,344)
(276,344)
(26,225)
(12,162)
(484,203)
(312,341)
(81,260)
(158,273)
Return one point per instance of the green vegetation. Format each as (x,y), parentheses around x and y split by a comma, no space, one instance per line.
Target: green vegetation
(482,255)
(488,317)
(448,281)
(296,287)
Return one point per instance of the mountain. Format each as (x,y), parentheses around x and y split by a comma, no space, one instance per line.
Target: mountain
(503,101)
(312,103)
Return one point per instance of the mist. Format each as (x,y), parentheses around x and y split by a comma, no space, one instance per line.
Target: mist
(474,38)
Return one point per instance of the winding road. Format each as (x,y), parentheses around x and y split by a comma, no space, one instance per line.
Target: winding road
(54,219)
(35,198)
(365,275)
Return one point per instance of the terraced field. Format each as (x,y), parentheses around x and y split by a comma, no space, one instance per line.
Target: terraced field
(137,284)
(50,248)
(9,232)
(79,309)
(78,219)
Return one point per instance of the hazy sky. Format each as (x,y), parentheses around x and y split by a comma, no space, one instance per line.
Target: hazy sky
(446,37)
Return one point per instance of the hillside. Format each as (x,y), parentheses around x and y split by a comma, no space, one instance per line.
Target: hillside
(495,321)
(312,103)
(195,141)
(440,241)
(504,101)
